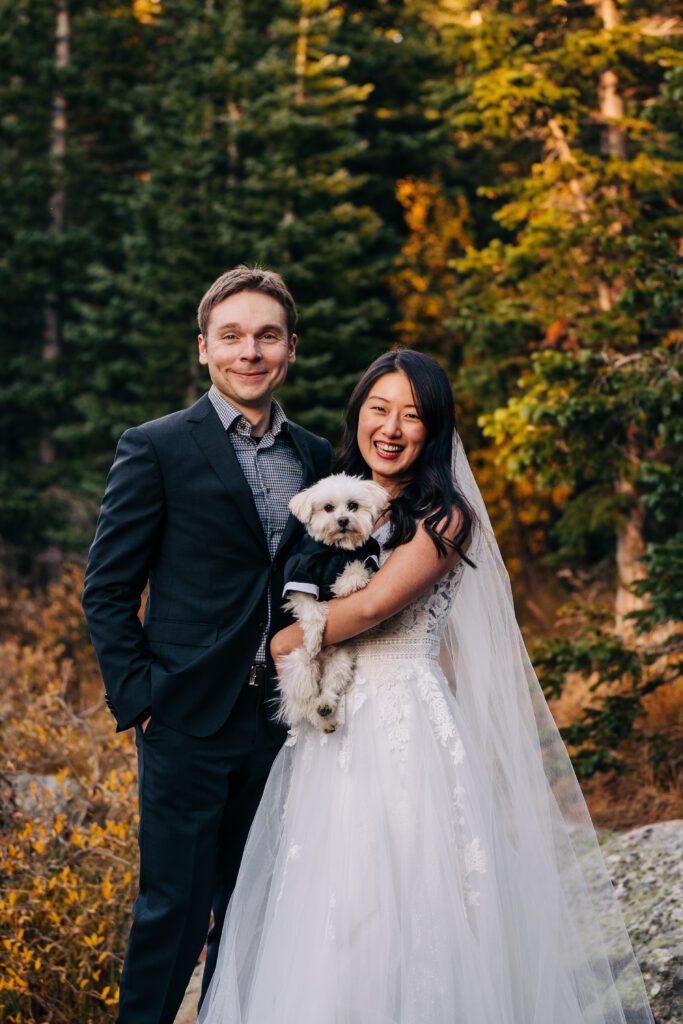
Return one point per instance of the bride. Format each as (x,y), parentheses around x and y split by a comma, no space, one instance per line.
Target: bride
(432,861)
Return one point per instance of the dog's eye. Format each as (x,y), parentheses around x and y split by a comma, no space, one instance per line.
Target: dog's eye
(352,506)
(328,508)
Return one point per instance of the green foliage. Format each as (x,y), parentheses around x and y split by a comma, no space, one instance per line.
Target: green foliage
(621,675)
(663,586)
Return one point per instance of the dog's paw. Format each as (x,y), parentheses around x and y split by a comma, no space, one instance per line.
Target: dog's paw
(354,577)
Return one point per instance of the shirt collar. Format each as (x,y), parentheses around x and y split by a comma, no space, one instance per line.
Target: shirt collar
(232,418)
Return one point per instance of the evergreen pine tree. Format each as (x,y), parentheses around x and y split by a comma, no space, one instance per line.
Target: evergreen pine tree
(64,156)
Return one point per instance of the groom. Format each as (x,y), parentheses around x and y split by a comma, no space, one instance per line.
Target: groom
(196,508)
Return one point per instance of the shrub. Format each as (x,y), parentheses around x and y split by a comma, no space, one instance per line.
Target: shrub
(69,817)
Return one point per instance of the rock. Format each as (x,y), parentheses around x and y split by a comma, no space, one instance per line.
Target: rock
(43,797)
(646,867)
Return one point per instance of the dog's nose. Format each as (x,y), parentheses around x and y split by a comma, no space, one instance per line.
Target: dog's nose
(343,521)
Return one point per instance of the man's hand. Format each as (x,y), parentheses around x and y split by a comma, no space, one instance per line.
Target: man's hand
(143,725)
(286,641)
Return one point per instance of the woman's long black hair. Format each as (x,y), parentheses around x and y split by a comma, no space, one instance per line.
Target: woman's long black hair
(431,493)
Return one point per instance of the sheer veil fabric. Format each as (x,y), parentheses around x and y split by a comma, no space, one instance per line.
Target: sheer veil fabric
(563,904)
(433,860)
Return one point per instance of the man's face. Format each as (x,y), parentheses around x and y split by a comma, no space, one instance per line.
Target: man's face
(247,349)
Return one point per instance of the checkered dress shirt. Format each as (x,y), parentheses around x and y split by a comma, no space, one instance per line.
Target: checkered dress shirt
(272,469)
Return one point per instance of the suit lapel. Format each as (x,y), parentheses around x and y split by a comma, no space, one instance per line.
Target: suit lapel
(210,436)
(303,451)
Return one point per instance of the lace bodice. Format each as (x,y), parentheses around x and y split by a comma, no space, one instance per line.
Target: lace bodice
(417,630)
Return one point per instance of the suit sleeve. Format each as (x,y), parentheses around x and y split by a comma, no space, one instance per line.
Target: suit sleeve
(329,459)
(128,530)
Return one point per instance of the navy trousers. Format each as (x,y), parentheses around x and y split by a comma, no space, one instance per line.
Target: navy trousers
(198,796)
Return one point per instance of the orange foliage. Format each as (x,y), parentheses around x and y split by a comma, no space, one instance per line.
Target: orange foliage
(423,282)
(521,512)
(69,817)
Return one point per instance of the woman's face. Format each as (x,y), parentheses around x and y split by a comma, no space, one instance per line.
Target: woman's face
(391,434)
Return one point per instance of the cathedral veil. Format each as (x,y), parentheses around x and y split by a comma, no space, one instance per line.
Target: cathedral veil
(552,888)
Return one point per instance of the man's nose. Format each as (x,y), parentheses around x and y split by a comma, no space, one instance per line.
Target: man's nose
(251,348)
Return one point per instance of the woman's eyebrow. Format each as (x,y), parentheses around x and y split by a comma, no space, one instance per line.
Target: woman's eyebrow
(409,405)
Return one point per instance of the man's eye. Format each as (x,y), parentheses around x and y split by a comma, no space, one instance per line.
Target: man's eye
(329,508)
(352,506)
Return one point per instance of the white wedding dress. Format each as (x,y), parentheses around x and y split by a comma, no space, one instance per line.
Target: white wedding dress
(380,885)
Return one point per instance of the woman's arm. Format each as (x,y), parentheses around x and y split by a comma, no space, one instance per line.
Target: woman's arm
(411,569)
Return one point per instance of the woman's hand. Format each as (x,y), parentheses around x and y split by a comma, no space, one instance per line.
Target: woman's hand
(286,641)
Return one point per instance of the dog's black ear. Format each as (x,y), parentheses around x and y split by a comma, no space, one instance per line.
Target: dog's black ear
(301,505)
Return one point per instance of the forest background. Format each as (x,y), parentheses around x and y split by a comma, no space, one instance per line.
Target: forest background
(497,184)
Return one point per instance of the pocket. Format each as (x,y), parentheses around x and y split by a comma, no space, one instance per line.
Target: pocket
(188,634)
(145,732)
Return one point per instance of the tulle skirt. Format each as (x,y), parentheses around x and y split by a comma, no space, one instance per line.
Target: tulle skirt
(378,887)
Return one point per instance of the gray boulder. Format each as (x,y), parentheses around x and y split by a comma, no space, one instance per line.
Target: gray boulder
(646,867)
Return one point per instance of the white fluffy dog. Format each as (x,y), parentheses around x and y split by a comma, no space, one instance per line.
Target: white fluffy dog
(334,559)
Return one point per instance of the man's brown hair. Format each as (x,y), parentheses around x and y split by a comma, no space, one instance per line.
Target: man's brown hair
(243,279)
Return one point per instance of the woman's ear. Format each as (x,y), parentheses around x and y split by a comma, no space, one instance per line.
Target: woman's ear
(301,505)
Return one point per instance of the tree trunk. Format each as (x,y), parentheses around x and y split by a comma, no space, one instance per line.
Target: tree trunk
(630,542)
(563,150)
(613,141)
(630,547)
(51,349)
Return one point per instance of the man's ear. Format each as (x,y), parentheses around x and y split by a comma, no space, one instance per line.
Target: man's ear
(292,349)
(203,357)
(301,505)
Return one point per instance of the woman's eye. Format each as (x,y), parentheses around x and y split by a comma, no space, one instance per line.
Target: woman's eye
(352,506)
(377,408)
(329,508)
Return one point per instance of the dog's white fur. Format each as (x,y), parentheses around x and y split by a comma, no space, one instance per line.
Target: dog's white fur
(339,510)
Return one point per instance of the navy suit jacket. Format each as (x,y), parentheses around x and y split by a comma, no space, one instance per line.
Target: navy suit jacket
(179,515)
